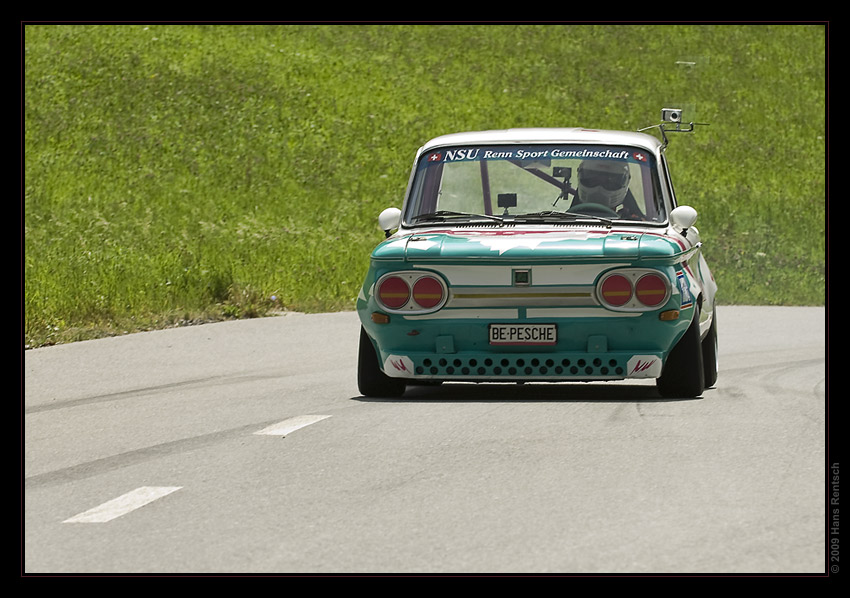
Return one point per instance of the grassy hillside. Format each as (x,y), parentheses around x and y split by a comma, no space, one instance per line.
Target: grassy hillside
(178,173)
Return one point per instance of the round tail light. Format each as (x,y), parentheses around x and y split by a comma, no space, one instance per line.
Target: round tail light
(651,290)
(616,290)
(427,292)
(394,292)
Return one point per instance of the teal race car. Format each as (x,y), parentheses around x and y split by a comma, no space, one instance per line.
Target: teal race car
(529,255)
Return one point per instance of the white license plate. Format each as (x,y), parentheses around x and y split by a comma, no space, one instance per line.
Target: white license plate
(523,334)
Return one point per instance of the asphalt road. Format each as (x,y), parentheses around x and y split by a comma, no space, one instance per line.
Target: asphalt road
(141,454)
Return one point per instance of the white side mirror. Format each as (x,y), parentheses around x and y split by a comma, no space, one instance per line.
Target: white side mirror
(389,219)
(683,218)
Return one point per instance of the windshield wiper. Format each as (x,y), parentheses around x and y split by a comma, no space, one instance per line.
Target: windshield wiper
(554,214)
(441,215)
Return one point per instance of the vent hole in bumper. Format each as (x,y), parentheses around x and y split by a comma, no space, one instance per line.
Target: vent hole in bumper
(522,366)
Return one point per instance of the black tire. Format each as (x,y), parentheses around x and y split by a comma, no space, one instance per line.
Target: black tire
(684,375)
(371,381)
(709,353)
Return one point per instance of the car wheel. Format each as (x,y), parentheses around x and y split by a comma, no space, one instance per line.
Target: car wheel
(371,381)
(683,374)
(709,353)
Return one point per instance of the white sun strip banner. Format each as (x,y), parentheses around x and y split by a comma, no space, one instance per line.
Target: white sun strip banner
(290,425)
(123,504)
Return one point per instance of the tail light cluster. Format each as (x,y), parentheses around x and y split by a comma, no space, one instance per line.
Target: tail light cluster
(416,292)
(633,290)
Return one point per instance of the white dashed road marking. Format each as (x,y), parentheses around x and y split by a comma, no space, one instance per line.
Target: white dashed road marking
(290,425)
(123,504)
(141,496)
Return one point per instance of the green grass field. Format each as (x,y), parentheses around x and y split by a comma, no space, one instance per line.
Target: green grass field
(183,173)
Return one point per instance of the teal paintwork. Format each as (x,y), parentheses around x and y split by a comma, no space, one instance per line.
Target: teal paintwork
(594,246)
(460,343)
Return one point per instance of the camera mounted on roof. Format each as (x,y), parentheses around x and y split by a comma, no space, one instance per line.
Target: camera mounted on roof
(671,115)
(672,122)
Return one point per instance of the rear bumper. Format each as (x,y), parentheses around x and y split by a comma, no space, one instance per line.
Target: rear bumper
(522,367)
(587,348)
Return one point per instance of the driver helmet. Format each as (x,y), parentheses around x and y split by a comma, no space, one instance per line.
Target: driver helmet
(604,182)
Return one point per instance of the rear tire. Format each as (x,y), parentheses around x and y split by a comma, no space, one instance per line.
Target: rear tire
(709,353)
(371,381)
(684,375)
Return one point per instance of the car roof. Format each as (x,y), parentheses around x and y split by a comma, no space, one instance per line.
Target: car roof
(546,135)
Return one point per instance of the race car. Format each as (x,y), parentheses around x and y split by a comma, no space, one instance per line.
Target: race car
(526,255)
